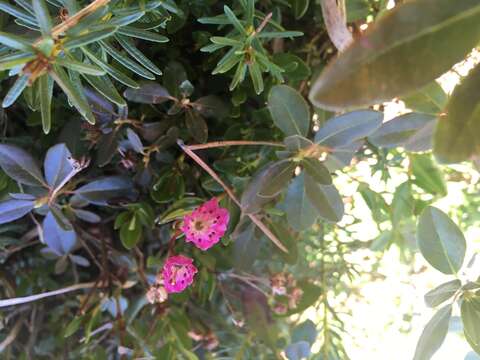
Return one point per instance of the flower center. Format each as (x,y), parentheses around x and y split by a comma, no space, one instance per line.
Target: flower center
(198,225)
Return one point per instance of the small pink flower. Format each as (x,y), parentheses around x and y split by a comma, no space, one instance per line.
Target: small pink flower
(206,224)
(178,273)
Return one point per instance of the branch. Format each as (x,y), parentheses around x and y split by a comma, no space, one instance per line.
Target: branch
(31,298)
(215,144)
(75,19)
(230,193)
(334,16)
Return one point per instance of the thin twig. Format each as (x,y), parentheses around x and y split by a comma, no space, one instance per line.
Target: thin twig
(263,24)
(75,19)
(12,335)
(36,297)
(230,193)
(215,144)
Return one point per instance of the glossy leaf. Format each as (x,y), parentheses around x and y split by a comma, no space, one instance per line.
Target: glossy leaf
(289,110)
(398,131)
(17,88)
(325,198)
(43,17)
(89,37)
(441,242)
(456,134)
(14,209)
(400,53)
(434,334)
(317,171)
(135,141)
(58,165)
(16,42)
(301,214)
(142,34)
(277,176)
(20,165)
(348,128)
(442,293)
(101,191)
(46,93)
(196,126)
(60,241)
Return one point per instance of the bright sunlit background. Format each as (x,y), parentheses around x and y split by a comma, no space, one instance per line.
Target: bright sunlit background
(387,318)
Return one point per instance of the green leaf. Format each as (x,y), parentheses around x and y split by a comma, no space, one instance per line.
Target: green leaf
(456,136)
(289,110)
(427,174)
(348,128)
(130,48)
(400,53)
(299,7)
(113,72)
(169,187)
(301,214)
(471,321)
(442,293)
(434,334)
(277,176)
(105,87)
(20,166)
(80,67)
(233,20)
(245,245)
(398,131)
(430,99)
(142,34)
(17,13)
(16,42)
(125,61)
(77,99)
(228,61)
(278,34)
(196,126)
(45,94)
(226,41)
(317,171)
(375,202)
(441,242)
(13,60)
(43,16)
(90,37)
(256,76)
(325,198)
(73,326)
(15,91)
(131,233)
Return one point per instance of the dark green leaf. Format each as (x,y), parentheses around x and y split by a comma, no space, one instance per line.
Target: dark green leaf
(325,198)
(14,209)
(299,7)
(441,242)
(317,171)
(74,94)
(89,37)
(20,166)
(256,76)
(131,233)
(400,53)
(80,67)
(348,128)
(233,20)
(398,131)
(276,177)
(196,126)
(301,214)
(290,111)
(130,48)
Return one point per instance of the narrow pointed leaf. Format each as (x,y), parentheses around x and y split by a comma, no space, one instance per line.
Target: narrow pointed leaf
(43,16)
(142,34)
(45,93)
(80,67)
(130,48)
(90,37)
(442,293)
(17,88)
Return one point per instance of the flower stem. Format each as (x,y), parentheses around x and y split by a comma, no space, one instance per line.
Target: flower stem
(230,193)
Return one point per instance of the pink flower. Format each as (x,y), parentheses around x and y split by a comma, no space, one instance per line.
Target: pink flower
(178,273)
(206,224)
